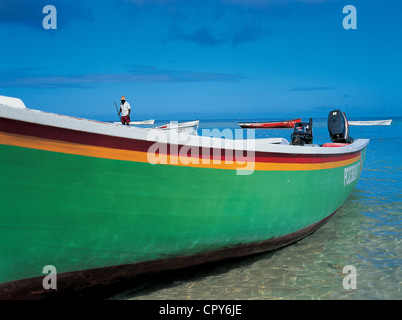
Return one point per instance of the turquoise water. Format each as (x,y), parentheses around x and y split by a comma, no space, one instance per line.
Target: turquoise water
(365,233)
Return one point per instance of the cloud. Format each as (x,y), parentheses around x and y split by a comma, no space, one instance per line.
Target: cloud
(204,23)
(220,22)
(203,36)
(295,54)
(150,74)
(213,36)
(303,88)
(249,32)
(21,11)
(35,78)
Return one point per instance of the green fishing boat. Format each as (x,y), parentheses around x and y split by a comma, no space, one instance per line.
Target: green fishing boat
(103,203)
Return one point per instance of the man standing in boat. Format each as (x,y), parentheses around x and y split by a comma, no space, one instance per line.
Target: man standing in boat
(125,110)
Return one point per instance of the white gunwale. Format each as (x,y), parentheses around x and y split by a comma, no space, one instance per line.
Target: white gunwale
(163,136)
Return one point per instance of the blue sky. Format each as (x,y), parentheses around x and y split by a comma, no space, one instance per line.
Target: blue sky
(204,59)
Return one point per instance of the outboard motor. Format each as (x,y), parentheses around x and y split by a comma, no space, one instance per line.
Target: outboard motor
(302,133)
(338,127)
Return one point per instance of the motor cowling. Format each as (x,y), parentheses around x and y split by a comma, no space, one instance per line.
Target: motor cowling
(338,127)
(302,133)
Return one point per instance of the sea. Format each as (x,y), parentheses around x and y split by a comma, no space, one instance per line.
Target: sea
(356,255)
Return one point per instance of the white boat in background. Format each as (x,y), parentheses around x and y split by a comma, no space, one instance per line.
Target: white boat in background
(139,123)
(190,127)
(371,123)
(145,122)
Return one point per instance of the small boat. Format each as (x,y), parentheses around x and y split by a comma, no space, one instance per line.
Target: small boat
(139,123)
(102,204)
(371,123)
(271,124)
(189,127)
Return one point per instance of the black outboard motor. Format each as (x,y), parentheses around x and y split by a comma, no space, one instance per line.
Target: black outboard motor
(302,133)
(338,127)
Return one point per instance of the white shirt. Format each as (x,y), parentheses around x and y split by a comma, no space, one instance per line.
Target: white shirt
(124,108)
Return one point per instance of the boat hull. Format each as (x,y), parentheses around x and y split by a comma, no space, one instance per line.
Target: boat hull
(73,284)
(371,123)
(190,127)
(270,125)
(89,204)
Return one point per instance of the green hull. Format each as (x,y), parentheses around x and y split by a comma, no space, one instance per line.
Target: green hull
(77,213)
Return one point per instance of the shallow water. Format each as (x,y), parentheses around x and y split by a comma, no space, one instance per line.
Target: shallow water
(365,233)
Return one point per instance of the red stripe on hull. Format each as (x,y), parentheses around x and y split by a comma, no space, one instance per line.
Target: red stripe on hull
(101,140)
(272,125)
(73,136)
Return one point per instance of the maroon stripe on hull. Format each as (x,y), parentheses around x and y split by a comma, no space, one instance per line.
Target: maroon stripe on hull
(101,140)
(72,284)
(72,136)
